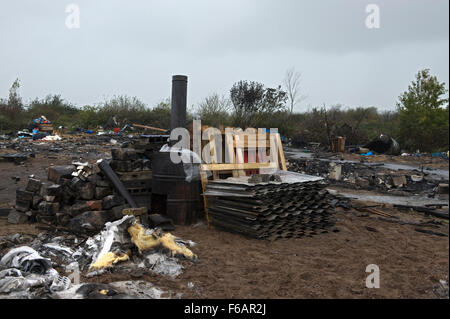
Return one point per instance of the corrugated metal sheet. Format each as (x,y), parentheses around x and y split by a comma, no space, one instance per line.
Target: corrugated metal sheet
(298,206)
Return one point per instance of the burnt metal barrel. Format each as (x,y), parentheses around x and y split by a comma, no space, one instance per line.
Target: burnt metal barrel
(176,198)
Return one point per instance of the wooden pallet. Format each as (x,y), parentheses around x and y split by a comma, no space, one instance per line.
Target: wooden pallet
(237,166)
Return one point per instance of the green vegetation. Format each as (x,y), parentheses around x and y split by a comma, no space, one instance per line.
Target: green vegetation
(419,122)
(423,114)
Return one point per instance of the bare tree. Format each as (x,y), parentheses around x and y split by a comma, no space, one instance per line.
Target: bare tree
(292,81)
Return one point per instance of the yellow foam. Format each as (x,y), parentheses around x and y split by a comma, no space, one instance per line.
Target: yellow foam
(145,242)
(108,259)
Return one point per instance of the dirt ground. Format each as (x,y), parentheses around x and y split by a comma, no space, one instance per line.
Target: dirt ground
(37,166)
(331,265)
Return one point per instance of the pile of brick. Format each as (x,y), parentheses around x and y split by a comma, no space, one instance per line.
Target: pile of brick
(136,157)
(76,196)
(133,167)
(80,197)
(129,160)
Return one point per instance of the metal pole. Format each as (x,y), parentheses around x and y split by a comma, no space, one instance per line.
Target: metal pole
(178,108)
(107,170)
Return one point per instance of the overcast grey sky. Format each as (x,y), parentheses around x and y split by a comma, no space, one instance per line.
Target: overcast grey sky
(134,47)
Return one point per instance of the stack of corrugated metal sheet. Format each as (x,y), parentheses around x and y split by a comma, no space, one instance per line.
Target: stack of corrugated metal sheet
(297,206)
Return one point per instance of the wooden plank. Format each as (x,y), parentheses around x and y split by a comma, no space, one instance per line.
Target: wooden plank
(204,180)
(273,157)
(245,144)
(236,166)
(281,152)
(239,155)
(230,158)
(213,154)
(150,128)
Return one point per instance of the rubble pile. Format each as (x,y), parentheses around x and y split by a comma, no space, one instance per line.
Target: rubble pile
(290,205)
(72,146)
(368,176)
(28,266)
(23,268)
(76,196)
(80,197)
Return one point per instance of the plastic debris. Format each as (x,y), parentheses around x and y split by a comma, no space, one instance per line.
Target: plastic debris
(52,138)
(370,153)
(26,259)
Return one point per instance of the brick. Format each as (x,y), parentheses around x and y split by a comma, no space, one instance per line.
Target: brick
(116,212)
(45,208)
(103,183)
(36,200)
(135,211)
(33,185)
(335,171)
(87,191)
(101,192)
(76,183)
(78,208)
(94,179)
(90,220)
(94,205)
(111,201)
(44,186)
(46,219)
(56,173)
(22,206)
(24,195)
(62,218)
(50,199)
(54,190)
(15,217)
(68,195)
(55,208)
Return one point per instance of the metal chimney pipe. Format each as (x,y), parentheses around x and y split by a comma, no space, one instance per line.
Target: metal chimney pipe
(178,108)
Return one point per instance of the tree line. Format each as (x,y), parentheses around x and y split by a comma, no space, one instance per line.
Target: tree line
(419,121)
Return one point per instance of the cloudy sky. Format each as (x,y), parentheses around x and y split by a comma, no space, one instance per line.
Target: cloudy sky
(133,47)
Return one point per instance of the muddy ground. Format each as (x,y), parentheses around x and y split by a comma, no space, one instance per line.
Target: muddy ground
(330,265)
